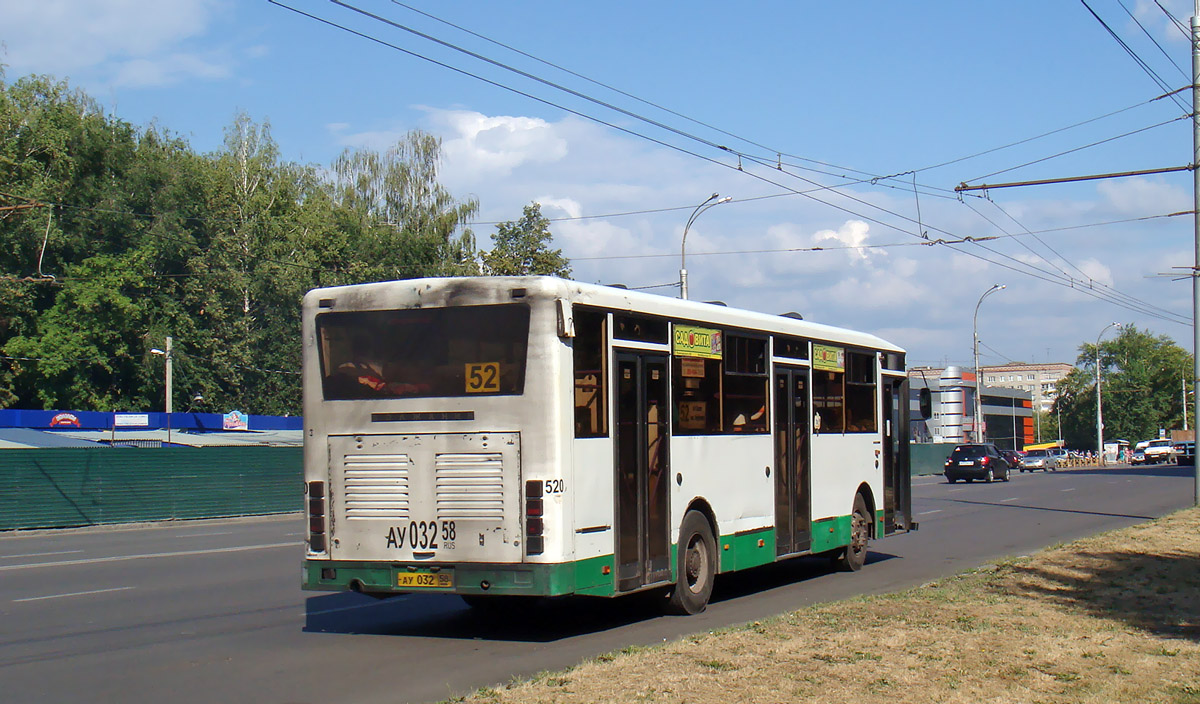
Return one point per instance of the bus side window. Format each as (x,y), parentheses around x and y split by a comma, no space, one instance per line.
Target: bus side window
(587,351)
(745,388)
(696,388)
(829,397)
(860,393)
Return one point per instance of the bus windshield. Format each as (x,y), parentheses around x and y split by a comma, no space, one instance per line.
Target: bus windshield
(425,352)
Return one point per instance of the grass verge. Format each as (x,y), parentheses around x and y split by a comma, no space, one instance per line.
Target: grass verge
(1112,618)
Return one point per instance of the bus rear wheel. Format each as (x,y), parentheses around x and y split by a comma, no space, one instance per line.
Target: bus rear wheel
(852,557)
(696,566)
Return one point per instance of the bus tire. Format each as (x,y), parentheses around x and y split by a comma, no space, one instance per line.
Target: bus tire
(696,566)
(852,557)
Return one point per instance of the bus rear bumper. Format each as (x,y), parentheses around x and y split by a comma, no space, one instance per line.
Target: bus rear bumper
(384,579)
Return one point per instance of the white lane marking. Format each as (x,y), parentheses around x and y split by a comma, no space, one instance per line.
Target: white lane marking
(60,596)
(203,535)
(40,554)
(926,513)
(1071,489)
(1015,498)
(959,489)
(178,553)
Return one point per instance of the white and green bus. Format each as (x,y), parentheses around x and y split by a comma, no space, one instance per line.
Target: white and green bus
(532,436)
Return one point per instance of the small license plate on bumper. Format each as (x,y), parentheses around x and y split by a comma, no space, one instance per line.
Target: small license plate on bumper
(425,580)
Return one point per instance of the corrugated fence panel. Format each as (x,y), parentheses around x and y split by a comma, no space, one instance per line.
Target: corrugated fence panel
(62,487)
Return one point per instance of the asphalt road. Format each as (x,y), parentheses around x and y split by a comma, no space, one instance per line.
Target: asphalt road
(212,610)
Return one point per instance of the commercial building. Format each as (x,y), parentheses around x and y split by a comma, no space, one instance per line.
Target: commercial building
(1007,414)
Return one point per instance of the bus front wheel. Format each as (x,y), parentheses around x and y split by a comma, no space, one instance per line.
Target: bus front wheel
(852,557)
(696,566)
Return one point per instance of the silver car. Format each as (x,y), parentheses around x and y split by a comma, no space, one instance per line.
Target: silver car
(1038,459)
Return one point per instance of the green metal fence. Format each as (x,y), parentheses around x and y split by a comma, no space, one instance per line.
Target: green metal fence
(63,487)
(928,458)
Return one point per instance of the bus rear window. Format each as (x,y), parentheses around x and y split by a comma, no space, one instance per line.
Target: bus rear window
(427,352)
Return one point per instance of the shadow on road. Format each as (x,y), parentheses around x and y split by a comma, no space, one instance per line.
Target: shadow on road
(536,620)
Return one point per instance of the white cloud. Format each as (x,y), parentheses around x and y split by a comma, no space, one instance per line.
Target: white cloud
(854,234)
(64,36)
(491,146)
(475,147)
(165,70)
(1143,196)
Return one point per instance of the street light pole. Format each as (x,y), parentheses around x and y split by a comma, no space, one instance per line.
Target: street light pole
(1099,407)
(168,359)
(1195,26)
(979,434)
(708,203)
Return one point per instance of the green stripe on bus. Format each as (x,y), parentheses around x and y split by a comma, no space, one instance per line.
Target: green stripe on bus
(592,576)
(830,533)
(749,549)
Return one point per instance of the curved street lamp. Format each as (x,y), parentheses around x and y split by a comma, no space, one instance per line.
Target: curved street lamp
(1099,409)
(168,358)
(708,203)
(979,424)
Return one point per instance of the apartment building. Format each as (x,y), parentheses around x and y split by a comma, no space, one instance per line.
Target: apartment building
(1040,380)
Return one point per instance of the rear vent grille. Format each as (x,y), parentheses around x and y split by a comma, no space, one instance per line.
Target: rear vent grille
(469,485)
(376,486)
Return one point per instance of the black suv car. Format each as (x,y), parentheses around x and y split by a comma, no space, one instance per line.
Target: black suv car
(978,461)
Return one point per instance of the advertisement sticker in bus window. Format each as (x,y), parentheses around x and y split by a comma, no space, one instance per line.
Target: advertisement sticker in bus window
(693,415)
(691,368)
(691,341)
(830,359)
(483,378)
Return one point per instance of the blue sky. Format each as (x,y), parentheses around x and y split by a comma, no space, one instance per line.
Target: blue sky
(821,100)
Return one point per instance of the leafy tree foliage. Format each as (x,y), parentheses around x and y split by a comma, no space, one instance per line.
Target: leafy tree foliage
(523,247)
(113,237)
(1141,376)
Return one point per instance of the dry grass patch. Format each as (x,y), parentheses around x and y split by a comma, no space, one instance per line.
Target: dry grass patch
(1114,618)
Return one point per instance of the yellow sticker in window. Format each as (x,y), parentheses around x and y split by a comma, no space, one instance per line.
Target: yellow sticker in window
(483,377)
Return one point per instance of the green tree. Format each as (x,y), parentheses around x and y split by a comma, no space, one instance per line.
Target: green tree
(1141,376)
(403,223)
(523,247)
(124,236)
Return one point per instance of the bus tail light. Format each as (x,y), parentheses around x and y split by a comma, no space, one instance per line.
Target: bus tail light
(534,526)
(316,516)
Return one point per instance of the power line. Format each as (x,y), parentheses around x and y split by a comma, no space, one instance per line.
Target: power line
(1153,40)
(1067,283)
(1132,54)
(1086,146)
(1178,25)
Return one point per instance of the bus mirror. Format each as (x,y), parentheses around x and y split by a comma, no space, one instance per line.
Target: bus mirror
(925,401)
(566,322)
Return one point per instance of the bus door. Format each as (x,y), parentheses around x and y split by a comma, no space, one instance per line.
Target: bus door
(897,502)
(793,479)
(642,470)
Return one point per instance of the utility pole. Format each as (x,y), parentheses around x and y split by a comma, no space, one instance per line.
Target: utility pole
(1196,220)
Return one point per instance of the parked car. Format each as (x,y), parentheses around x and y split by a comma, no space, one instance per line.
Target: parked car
(1138,456)
(1185,452)
(1038,459)
(1012,457)
(1158,451)
(976,461)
